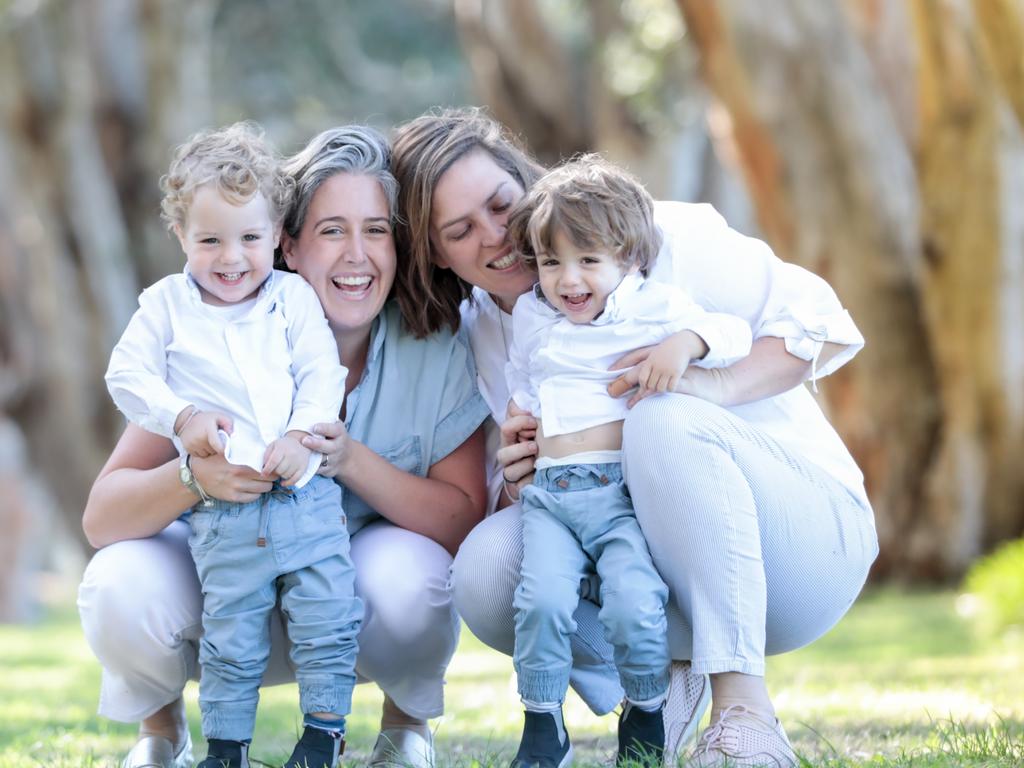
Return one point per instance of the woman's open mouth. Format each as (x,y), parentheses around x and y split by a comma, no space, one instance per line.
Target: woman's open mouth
(507,261)
(353,287)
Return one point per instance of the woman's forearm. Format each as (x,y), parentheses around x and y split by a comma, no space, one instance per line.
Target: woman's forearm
(768,370)
(131,503)
(444,506)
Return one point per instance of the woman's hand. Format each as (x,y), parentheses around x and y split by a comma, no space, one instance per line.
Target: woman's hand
(518,450)
(333,441)
(229,482)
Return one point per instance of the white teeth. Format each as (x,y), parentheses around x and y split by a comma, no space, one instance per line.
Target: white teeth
(360,280)
(505,261)
(230,276)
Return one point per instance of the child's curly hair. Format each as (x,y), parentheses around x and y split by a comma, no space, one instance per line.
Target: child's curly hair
(596,204)
(238,160)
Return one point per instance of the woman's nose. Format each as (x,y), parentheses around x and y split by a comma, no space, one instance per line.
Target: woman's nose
(496,230)
(354,250)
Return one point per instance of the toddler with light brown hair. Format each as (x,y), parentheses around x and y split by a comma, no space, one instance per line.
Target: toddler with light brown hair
(588,229)
(232,356)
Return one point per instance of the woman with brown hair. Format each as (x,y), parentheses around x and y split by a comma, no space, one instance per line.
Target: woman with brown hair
(754,511)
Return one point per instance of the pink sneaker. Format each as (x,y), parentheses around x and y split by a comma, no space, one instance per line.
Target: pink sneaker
(741,738)
(688,697)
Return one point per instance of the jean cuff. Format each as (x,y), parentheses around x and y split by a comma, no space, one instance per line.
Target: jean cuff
(232,721)
(326,694)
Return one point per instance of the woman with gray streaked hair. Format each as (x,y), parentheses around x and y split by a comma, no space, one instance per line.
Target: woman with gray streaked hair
(409,459)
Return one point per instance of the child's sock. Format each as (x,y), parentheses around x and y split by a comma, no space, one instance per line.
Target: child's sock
(543,706)
(325,721)
(652,704)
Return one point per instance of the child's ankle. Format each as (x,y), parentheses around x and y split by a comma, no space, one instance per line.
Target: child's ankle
(325,721)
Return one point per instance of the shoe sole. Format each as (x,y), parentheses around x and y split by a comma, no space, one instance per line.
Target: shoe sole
(677,732)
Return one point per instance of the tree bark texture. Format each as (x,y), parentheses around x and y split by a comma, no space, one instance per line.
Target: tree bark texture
(90,96)
(894,176)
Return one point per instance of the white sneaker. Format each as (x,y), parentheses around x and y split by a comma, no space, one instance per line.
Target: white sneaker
(741,738)
(158,752)
(689,695)
(402,748)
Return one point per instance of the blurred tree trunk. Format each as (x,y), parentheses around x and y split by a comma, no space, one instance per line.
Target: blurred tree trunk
(881,144)
(560,95)
(90,96)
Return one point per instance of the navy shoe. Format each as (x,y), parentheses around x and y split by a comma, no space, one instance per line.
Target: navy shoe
(544,744)
(221,753)
(641,736)
(318,748)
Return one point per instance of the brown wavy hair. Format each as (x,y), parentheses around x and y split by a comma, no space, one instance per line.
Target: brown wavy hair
(597,205)
(423,149)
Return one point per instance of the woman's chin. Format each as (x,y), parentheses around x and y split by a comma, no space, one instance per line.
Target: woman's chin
(348,312)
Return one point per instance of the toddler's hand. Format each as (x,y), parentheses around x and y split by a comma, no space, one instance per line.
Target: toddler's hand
(199,435)
(659,368)
(287,458)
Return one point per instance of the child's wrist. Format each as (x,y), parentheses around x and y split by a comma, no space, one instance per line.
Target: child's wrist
(186,415)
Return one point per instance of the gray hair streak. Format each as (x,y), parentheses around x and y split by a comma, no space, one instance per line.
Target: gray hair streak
(353,149)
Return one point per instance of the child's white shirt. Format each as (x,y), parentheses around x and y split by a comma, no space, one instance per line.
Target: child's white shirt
(558,370)
(272,366)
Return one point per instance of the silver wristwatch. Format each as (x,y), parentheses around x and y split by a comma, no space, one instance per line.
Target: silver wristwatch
(190,482)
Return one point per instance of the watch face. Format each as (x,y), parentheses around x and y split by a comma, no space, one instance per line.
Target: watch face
(185,475)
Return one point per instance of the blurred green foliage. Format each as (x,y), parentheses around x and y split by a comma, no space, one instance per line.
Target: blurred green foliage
(298,68)
(995,589)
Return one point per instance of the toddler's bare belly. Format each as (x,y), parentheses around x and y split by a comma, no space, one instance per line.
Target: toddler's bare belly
(603,437)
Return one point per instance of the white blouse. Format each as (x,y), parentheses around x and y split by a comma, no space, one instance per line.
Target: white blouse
(558,369)
(272,365)
(723,271)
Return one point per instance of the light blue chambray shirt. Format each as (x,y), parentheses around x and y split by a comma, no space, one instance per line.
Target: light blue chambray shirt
(416,402)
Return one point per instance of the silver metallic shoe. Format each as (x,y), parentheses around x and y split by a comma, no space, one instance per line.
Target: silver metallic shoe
(158,752)
(402,748)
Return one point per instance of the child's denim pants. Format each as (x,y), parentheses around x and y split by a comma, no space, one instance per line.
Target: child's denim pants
(575,518)
(287,545)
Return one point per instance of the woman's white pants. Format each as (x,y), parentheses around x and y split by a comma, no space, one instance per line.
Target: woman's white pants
(141,610)
(762,551)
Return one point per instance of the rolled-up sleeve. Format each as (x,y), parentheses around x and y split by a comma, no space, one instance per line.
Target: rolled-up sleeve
(725,271)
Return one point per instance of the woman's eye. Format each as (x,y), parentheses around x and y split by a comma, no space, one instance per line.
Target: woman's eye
(331,231)
(379,231)
(460,235)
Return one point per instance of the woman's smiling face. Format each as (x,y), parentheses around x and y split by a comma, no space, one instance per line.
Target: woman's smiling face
(470,208)
(346,250)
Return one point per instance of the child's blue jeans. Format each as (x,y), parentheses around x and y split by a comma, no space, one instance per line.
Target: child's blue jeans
(290,546)
(577,518)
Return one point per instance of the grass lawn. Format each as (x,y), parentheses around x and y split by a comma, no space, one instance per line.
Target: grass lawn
(902,681)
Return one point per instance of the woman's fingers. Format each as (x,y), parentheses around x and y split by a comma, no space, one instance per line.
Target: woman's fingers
(522,424)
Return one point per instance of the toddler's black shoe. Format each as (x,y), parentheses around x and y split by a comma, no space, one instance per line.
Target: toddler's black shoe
(318,748)
(544,744)
(221,753)
(641,736)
